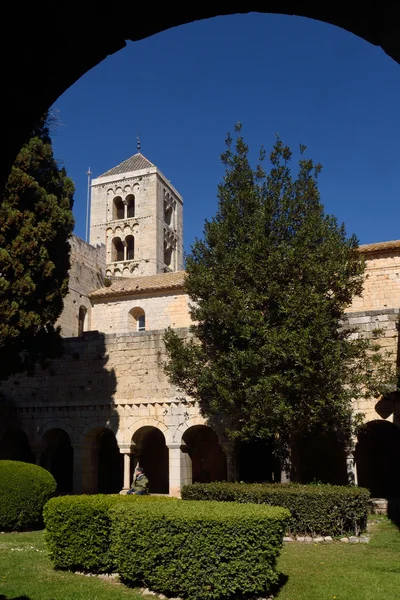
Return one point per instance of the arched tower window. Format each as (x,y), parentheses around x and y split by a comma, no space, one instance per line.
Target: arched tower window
(130,247)
(82,320)
(117,250)
(137,319)
(118,208)
(130,205)
(167,214)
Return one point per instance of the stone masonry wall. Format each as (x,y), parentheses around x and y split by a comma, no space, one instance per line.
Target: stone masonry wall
(86,274)
(367,322)
(115,381)
(162,310)
(382,282)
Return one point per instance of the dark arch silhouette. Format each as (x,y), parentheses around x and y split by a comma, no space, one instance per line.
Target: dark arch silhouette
(377,456)
(151,453)
(34,77)
(207,456)
(58,458)
(14,445)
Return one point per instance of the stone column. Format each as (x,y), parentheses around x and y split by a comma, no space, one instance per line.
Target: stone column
(180,468)
(229,451)
(37,451)
(351,467)
(77,473)
(125,449)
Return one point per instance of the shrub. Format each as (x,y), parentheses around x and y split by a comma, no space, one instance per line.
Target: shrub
(78,530)
(24,490)
(199,550)
(315,509)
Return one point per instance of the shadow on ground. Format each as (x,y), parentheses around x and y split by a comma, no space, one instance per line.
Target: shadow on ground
(2,597)
(394,511)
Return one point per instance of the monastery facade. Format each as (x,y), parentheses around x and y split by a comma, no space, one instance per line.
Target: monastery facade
(107,405)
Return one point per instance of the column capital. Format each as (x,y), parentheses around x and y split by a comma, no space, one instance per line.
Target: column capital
(177,446)
(126,448)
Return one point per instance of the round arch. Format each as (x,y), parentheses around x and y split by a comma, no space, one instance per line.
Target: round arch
(193,422)
(72,34)
(131,432)
(102,463)
(207,457)
(377,455)
(56,424)
(151,452)
(57,457)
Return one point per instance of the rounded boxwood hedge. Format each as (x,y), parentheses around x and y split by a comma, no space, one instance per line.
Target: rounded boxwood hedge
(78,529)
(315,509)
(199,550)
(24,490)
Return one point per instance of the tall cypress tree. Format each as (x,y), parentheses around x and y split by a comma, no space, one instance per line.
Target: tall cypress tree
(35,225)
(268,353)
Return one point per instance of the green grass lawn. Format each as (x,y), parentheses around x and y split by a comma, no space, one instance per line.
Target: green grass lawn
(339,571)
(27,574)
(333,571)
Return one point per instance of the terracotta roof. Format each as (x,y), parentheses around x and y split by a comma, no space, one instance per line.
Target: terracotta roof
(380,247)
(137,162)
(140,285)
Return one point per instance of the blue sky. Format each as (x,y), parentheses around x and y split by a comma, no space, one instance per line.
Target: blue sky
(185,88)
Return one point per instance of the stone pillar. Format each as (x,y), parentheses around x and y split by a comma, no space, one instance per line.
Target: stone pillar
(37,451)
(180,468)
(351,467)
(229,451)
(125,449)
(77,473)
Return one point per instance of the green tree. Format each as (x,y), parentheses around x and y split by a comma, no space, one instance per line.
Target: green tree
(268,354)
(35,224)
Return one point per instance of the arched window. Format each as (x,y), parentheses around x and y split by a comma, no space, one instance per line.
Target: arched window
(118,208)
(117,250)
(130,247)
(82,320)
(167,214)
(130,205)
(137,319)
(168,253)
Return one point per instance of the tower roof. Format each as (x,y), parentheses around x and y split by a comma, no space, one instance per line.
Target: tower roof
(137,162)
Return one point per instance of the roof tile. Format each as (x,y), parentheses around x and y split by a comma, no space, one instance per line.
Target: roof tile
(137,162)
(140,285)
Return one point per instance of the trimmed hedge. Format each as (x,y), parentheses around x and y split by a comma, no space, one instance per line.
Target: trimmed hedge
(199,550)
(315,509)
(78,530)
(24,490)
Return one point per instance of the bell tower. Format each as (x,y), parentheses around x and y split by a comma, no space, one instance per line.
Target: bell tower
(138,215)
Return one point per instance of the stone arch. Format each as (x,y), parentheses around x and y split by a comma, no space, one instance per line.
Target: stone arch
(150,452)
(57,457)
(137,319)
(56,424)
(145,422)
(102,463)
(377,456)
(130,206)
(130,247)
(208,460)
(83,320)
(117,250)
(118,208)
(79,51)
(14,445)
(193,421)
